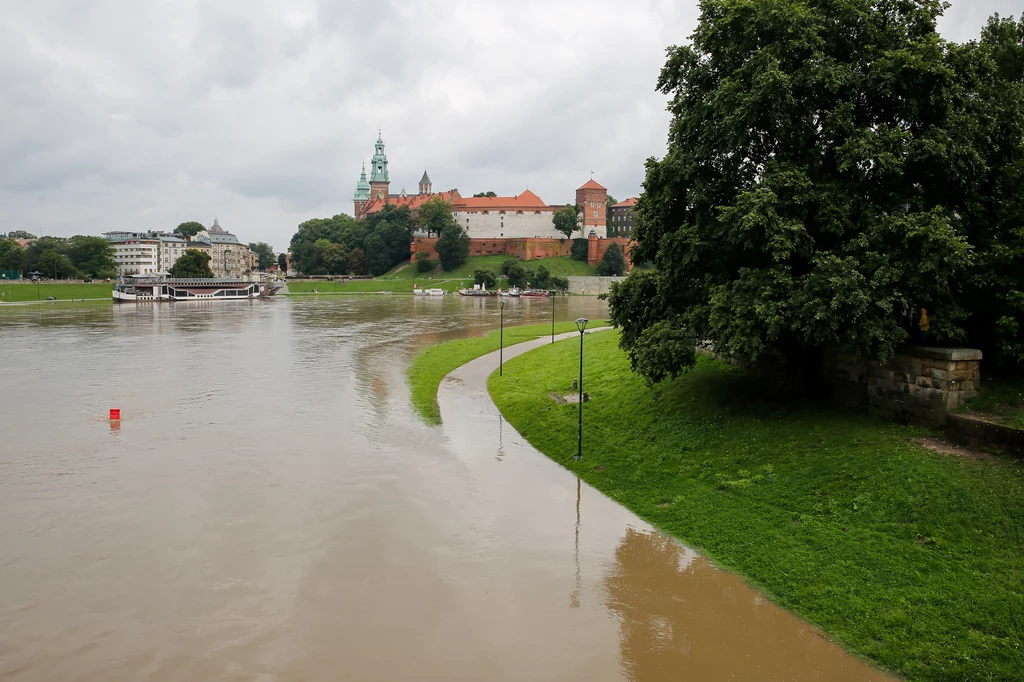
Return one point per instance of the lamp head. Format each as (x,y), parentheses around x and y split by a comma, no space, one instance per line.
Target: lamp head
(581,323)
(501,303)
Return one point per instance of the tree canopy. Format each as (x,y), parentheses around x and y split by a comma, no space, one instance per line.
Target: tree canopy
(826,168)
(376,243)
(189,229)
(192,263)
(485,194)
(20,234)
(264,254)
(53,263)
(453,247)
(92,256)
(613,262)
(435,215)
(567,220)
(12,257)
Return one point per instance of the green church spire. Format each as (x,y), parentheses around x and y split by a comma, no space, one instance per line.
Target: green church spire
(362,187)
(379,163)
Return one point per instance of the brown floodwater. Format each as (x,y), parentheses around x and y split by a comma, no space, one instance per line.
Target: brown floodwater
(271,509)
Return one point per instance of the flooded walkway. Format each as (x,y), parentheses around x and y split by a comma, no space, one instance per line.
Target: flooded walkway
(271,509)
(663,611)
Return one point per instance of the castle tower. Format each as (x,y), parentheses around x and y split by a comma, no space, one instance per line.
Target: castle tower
(425,185)
(362,194)
(379,180)
(592,199)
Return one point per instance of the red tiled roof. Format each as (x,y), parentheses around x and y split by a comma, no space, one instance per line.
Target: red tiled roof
(625,204)
(590,184)
(411,201)
(525,200)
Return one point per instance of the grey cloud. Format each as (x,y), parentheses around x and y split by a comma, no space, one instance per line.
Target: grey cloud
(143,114)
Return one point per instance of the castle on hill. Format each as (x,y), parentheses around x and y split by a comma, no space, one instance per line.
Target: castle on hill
(522,216)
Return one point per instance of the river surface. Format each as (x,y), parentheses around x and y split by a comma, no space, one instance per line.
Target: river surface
(270,508)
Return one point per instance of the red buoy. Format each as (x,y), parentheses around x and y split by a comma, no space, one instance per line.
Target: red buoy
(115,414)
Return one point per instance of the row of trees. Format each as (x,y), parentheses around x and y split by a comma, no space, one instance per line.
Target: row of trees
(833,166)
(59,258)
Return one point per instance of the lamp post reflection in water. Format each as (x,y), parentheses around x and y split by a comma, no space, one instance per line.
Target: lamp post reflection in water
(501,334)
(581,324)
(574,598)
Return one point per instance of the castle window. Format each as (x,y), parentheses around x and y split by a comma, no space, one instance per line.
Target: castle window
(595,214)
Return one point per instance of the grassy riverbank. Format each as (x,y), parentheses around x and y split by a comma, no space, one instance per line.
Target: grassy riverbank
(62,292)
(366,286)
(433,363)
(561,267)
(908,557)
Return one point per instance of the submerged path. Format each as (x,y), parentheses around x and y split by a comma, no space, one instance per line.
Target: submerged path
(611,597)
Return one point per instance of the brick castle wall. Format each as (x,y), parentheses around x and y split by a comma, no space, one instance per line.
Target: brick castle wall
(525,249)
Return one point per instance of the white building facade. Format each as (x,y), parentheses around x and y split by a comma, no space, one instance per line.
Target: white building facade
(135,253)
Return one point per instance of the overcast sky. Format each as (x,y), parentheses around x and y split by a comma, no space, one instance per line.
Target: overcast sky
(141,115)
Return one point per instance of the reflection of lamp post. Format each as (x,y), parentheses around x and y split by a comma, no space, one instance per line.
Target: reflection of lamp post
(581,324)
(501,334)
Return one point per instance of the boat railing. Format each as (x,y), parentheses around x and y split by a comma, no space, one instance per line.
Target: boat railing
(187,281)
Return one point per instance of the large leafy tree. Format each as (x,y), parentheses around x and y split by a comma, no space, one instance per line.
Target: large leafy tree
(613,262)
(192,263)
(435,215)
(54,264)
(452,247)
(189,229)
(264,254)
(803,200)
(34,252)
(92,256)
(12,257)
(20,234)
(567,220)
(989,189)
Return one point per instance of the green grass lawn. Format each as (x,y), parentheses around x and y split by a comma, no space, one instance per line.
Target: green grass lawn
(433,363)
(908,557)
(62,292)
(1001,399)
(361,286)
(560,267)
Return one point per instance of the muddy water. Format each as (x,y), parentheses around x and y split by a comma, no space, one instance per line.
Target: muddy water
(271,509)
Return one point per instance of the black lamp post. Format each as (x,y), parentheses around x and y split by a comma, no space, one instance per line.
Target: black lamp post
(552,317)
(501,335)
(581,325)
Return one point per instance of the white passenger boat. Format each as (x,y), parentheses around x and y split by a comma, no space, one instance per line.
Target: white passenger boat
(136,289)
(427,292)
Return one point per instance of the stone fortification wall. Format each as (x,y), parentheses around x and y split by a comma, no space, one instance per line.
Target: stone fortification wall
(592,285)
(920,385)
(508,224)
(524,249)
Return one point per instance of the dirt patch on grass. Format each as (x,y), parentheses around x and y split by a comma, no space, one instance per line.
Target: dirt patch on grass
(946,447)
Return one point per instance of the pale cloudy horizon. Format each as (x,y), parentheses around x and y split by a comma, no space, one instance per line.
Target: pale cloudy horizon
(140,116)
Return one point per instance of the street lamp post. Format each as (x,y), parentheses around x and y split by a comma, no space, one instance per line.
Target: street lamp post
(501,335)
(552,317)
(581,325)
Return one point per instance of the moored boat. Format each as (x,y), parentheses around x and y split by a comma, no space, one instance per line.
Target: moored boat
(145,289)
(513,292)
(535,293)
(427,292)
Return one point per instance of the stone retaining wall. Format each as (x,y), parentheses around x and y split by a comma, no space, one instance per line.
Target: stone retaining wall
(592,285)
(920,385)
